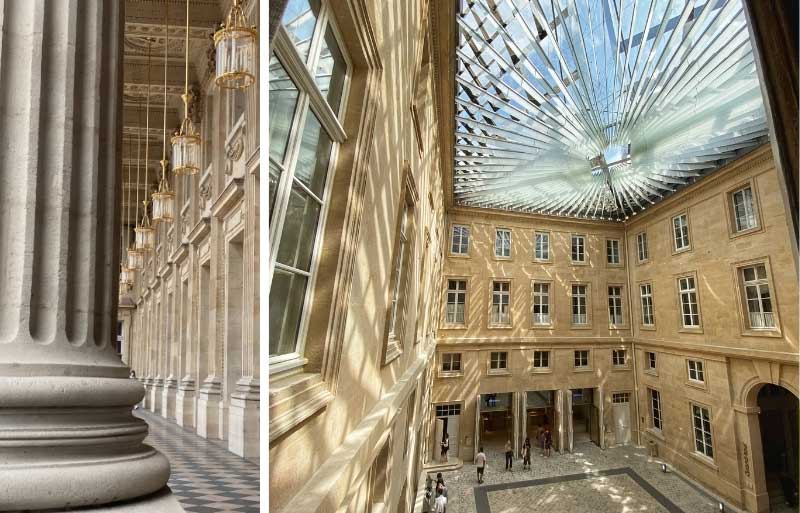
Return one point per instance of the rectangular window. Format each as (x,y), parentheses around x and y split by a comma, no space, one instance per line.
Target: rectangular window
(680,232)
(618,357)
(643,252)
(399,272)
(459,245)
(541,304)
(541,359)
(621,397)
(702,431)
(502,243)
(448,410)
(758,297)
(744,212)
(501,298)
(612,251)
(650,360)
(456,301)
(655,408)
(581,359)
(579,316)
(696,371)
(578,248)
(615,306)
(690,311)
(646,294)
(498,360)
(541,249)
(451,362)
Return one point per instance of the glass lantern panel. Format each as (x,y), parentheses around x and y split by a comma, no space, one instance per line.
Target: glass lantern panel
(299,20)
(235,58)
(282,104)
(163,207)
(331,70)
(185,155)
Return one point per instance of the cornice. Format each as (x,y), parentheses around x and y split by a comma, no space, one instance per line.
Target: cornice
(180,253)
(228,199)
(487,213)
(199,232)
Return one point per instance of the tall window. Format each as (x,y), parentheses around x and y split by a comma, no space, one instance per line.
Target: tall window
(690,312)
(541,303)
(541,359)
(615,305)
(646,294)
(456,301)
(655,408)
(650,360)
(578,248)
(498,360)
(642,251)
(680,232)
(307,80)
(618,357)
(702,431)
(612,251)
(744,212)
(460,240)
(502,243)
(501,298)
(579,305)
(581,359)
(400,271)
(695,368)
(757,297)
(541,250)
(451,362)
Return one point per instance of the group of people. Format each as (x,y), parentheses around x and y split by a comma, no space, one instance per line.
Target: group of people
(440,503)
(545,439)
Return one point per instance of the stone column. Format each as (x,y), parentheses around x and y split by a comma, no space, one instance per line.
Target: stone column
(67,435)
(156,345)
(170,347)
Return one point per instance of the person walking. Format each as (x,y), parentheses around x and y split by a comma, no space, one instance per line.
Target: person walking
(480,461)
(548,441)
(445,446)
(509,456)
(526,454)
(440,505)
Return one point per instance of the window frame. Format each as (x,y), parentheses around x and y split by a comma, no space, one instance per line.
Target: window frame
(497,231)
(642,242)
(551,314)
(623,320)
(582,368)
(492,323)
(648,368)
(620,259)
(688,247)
(547,355)
(692,328)
(730,208)
(710,443)
(497,370)
(642,324)
(746,328)
(446,323)
(582,237)
(549,237)
(614,354)
(451,360)
(653,397)
(701,372)
(588,303)
(469,240)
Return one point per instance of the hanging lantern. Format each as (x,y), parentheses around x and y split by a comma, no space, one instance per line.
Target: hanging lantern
(135,259)
(186,146)
(164,198)
(236,48)
(145,233)
(126,275)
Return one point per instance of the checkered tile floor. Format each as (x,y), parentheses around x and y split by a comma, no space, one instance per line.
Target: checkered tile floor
(206,478)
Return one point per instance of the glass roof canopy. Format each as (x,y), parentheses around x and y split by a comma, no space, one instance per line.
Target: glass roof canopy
(599,108)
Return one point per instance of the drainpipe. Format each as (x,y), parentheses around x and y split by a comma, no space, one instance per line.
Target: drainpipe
(629,259)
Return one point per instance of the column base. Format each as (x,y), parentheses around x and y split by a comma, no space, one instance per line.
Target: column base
(163,502)
(168,398)
(147,383)
(156,390)
(209,400)
(243,430)
(185,403)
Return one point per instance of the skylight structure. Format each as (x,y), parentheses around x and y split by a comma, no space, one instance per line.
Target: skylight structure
(599,108)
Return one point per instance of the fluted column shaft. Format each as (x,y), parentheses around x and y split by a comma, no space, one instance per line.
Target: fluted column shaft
(67,435)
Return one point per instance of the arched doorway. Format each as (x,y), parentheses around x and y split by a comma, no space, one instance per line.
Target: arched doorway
(779,443)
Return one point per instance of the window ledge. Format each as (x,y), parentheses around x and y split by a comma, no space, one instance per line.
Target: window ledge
(766,332)
(453,327)
(294,399)
(575,262)
(749,231)
(544,370)
(620,367)
(695,330)
(643,262)
(700,385)
(542,327)
(580,327)
(582,369)
(446,374)
(498,372)
(651,372)
(537,261)
(705,460)
(458,255)
(499,327)
(680,251)
(502,258)
(651,327)
(656,433)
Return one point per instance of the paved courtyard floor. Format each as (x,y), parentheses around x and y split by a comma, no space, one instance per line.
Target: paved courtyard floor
(590,480)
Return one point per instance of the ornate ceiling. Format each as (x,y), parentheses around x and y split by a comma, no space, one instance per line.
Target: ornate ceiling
(599,108)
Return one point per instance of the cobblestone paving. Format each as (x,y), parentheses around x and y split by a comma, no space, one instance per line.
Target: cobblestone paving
(597,495)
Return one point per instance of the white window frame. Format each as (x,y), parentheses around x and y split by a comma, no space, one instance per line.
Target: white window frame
(541,241)
(462,228)
(539,357)
(615,311)
(498,317)
(760,315)
(703,435)
(502,242)
(458,292)
(656,409)
(310,99)
(613,253)
(689,296)
(496,358)
(400,268)
(642,248)
(615,357)
(651,361)
(621,397)
(577,248)
(541,299)
(580,301)
(582,359)
(680,233)
(696,371)
(750,211)
(450,359)
(646,301)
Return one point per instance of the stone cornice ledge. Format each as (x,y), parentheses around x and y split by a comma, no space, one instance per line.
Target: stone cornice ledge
(200,230)
(165,270)
(180,253)
(228,198)
(330,485)
(295,400)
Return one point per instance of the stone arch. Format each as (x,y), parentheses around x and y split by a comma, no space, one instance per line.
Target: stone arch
(749,392)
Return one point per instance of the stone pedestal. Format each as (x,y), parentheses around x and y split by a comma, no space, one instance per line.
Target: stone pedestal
(209,400)
(147,383)
(156,395)
(243,430)
(185,403)
(168,394)
(67,435)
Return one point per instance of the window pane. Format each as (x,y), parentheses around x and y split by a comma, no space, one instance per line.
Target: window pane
(331,70)
(299,19)
(315,152)
(286,297)
(299,230)
(274,178)
(282,103)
